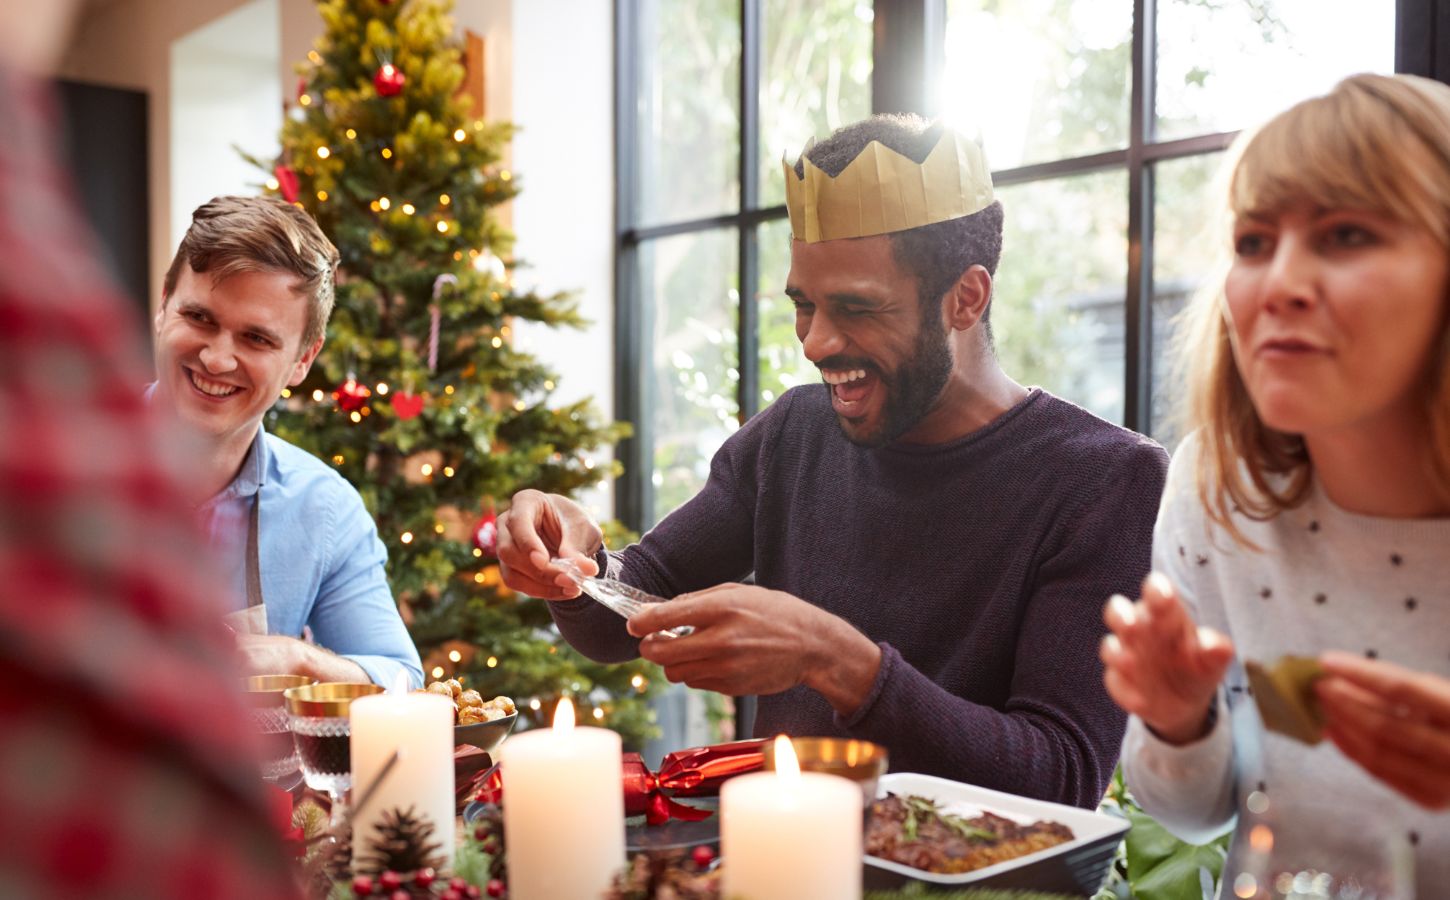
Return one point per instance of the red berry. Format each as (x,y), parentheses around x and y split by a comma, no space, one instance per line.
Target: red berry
(495,888)
(362,885)
(473,892)
(390,881)
(702,855)
(401,894)
(451,894)
(457,884)
(490,846)
(424,877)
(480,833)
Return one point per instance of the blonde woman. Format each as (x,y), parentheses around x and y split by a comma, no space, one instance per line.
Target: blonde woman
(1308,511)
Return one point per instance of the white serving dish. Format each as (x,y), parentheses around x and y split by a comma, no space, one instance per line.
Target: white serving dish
(1077,867)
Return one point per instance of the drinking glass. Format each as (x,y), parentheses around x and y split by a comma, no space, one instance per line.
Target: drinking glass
(317,714)
(1300,850)
(280,765)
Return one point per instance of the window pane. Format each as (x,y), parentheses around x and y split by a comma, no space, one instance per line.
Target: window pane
(1185,253)
(688,284)
(1057,307)
(687,123)
(1223,66)
(782,363)
(1039,79)
(817,77)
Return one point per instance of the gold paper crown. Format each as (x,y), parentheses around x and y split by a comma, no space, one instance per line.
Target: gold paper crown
(882,191)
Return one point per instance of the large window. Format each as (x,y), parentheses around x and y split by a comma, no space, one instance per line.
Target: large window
(1104,121)
(712,94)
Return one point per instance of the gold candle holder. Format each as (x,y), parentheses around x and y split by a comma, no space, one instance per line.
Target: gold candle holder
(860,761)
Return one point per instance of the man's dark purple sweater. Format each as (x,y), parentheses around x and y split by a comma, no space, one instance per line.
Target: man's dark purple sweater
(980,567)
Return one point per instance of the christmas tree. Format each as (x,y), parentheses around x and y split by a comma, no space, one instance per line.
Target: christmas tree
(419,398)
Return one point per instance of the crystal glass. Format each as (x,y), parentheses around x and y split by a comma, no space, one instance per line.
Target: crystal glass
(1312,851)
(685,116)
(1225,66)
(1038,80)
(688,285)
(782,363)
(321,731)
(816,77)
(1057,302)
(280,765)
(1187,251)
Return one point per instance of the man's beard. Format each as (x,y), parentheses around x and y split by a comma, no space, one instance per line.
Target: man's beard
(913,389)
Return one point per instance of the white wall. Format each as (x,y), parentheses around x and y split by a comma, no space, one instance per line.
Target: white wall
(127,43)
(563,88)
(226,93)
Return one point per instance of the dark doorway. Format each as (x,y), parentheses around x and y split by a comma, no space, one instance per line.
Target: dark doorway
(105,135)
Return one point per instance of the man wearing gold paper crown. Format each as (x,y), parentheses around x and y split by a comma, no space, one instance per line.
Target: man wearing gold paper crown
(931,541)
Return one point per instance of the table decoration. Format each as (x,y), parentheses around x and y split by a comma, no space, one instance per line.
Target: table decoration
(564,819)
(268,709)
(696,772)
(318,717)
(690,875)
(419,789)
(791,835)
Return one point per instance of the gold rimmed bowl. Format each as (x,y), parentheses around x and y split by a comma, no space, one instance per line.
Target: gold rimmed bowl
(267,690)
(267,706)
(329,699)
(322,732)
(860,761)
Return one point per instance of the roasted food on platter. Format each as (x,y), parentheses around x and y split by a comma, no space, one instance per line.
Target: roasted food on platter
(914,831)
(469,707)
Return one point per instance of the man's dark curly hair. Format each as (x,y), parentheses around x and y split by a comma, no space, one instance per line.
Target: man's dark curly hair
(936,254)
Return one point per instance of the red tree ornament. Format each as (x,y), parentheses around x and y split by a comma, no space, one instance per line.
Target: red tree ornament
(389,80)
(407,405)
(350,395)
(301,87)
(286,182)
(485,534)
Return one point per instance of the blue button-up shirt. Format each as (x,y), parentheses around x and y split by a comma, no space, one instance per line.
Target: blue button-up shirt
(320,557)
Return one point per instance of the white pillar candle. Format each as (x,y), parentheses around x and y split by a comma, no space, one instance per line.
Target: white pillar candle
(563,810)
(420,728)
(790,835)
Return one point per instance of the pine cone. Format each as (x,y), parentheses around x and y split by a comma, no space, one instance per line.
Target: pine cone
(336,856)
(402,842)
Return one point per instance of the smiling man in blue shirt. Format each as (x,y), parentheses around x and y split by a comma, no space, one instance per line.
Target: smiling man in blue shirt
(244,307)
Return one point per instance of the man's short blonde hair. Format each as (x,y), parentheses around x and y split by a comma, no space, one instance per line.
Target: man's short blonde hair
(1375,143)
(232,235)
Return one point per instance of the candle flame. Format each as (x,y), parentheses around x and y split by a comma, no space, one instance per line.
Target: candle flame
(564,716)
(786,765)
(399,685)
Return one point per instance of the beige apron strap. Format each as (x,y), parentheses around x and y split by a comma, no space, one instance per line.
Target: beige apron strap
(254,566)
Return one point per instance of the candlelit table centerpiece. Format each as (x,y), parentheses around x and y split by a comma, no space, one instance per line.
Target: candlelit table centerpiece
(563,822)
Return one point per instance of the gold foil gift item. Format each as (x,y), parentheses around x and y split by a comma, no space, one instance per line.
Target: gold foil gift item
(882,191)
(860,761)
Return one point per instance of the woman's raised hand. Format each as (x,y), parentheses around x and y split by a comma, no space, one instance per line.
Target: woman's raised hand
(1160,665)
